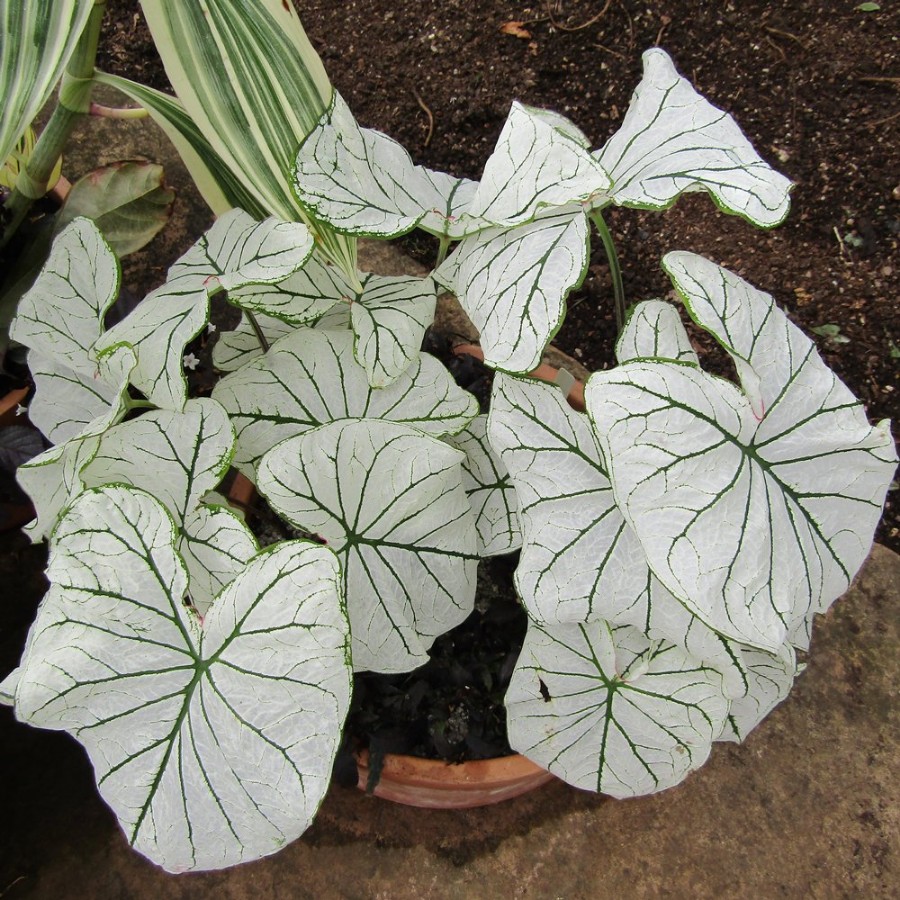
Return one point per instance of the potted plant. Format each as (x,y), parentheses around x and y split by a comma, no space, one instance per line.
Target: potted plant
(677,539)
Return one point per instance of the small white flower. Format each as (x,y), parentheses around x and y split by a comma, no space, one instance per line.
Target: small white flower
(210,328)
(190,361)
(20,410)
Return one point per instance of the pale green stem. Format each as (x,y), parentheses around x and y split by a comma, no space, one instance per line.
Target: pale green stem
(139,404)
(615,270)
(116,112)
(442,250)
(74,102)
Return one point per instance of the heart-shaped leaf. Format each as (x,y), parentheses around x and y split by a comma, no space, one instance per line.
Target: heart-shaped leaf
(607,710)
(755,509)
(61,317)
(127,201)
(213,746)
(654,331)
(363,182)
(536,164)
(389,501)
(310,377)
(512,283)
(673,141)
(490,490)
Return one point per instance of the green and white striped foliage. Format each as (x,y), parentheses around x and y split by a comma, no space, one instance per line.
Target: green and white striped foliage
(37,39)
(253,87)
(653,330)
(237,251)
(364,183)
(389,501)
(607,710)
(490,490)
(180,457)
(310,377)
(213,743)
(673,141)
(755,506)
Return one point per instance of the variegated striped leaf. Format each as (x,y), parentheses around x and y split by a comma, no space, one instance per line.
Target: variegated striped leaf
(607,710)
(362,182)
(513,283)
(254,87)
(490,490)
(540,161)
(310,377)
(654,331)
(61,317)
(36,40)
(54,478)
(673,141)
(755,522)
(389,501)
(213,745)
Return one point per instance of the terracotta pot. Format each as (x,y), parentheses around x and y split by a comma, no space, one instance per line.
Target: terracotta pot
(432,783)
(435,784)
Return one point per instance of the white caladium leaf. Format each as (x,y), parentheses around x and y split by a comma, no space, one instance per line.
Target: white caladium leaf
(238,251)
(236,348)
(580,561)
(673,141)
(61,316)
(54,478)
(770,677)
(753,523)
(363,182)
(159,329)
(179,457)
(512,283)
(389,501)
(389,319)
(301,298)
(212,745)
(490,490)
(216,546)
(535,164)
(310,377)
(654,330)
(607,710)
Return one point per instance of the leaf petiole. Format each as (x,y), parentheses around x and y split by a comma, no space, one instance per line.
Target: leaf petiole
(615,270)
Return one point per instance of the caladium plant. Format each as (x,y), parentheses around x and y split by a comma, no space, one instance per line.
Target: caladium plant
(676,539)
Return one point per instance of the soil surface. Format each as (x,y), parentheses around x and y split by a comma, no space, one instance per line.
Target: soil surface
(814,85)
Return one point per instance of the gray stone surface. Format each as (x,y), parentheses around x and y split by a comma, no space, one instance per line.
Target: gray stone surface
(808,807)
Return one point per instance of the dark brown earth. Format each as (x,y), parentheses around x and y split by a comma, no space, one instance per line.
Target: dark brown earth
(814,85)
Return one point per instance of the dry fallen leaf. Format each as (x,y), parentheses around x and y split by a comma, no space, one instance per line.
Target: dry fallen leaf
(516,29)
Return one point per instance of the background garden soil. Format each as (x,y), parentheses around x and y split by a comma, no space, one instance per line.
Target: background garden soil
(813,84)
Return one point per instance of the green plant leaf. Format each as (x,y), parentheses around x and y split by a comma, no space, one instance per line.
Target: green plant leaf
(36,40)
(212,745)
(869,7)
(536,164)
(235,348)
(254,86)
(512,284)
(754,507)
(389,501)
(490,491)
(607,710)
(310,377)
(673,141)
(126,200)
